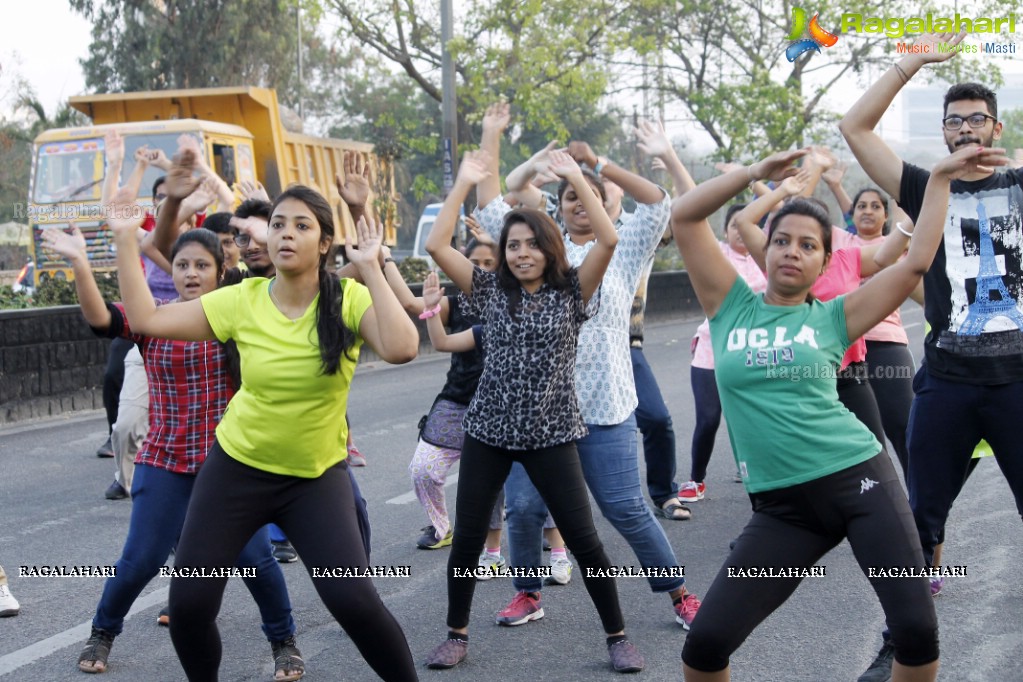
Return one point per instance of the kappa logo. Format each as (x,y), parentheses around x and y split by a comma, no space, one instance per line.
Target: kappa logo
(818,36)
(866,484)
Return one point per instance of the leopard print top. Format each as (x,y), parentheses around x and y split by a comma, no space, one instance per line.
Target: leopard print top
(526,398)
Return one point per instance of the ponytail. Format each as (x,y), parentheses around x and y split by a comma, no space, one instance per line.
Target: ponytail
(335,337)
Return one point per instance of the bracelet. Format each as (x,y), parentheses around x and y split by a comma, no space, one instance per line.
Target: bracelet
(900,228)
(749,175)
(430,312)
(902,74)
(390,260)
(599,167)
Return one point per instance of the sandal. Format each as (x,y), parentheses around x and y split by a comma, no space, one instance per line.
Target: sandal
(674,509)
(287,659)
(93,658)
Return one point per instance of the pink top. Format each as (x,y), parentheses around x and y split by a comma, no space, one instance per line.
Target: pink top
(890,328)
(703,355)
(841,277)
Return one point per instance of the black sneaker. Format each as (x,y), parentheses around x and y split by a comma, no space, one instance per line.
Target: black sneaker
(116,491)
(106,450)
(429,538)
(881,669)
(284,552)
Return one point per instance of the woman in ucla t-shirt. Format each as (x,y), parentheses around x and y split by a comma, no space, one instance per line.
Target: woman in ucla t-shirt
(815,474)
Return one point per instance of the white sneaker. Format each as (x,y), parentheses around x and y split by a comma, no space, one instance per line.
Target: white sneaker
(9,606)
(491,565)
(561,570)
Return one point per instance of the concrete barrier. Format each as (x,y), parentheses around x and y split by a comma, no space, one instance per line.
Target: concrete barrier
(52,364)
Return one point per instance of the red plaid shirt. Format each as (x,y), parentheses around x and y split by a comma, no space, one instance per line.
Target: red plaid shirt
(189,389)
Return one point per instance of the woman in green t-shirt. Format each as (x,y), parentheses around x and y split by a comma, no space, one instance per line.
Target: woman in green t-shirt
(814,473)
(279,454)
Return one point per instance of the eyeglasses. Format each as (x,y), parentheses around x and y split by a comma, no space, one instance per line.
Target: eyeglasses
(242,240)
(160,196)
(977,120)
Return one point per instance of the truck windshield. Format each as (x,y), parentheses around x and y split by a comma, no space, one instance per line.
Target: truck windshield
(165,142)
(70,170)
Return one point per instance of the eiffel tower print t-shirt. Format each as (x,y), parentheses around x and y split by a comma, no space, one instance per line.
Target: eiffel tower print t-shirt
(973,292)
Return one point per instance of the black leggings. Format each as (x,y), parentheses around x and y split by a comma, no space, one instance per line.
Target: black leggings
(794,527)
(855,392)
(708,419)
(891,378)
(558,477)
(113,378)
(230,502)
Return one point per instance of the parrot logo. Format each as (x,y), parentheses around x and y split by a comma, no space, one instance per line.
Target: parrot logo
(818,36)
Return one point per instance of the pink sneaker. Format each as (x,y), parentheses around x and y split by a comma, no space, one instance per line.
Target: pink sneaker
(685,610)
(355,458)
(692,491)
(522,609)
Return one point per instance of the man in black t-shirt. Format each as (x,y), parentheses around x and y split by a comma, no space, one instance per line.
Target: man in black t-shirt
(970,385)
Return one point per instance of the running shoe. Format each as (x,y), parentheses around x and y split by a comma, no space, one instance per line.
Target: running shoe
(284,552)
(164,617)
(685,610)
(116,491)
(692,491)
(526,606)
(491,564)
(625,657)
(881,669)
(9,606)
(450,653)
(106,450)
(429,539)
(561,570)
(355,458)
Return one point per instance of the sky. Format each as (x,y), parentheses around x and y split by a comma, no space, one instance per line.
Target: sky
(47,56)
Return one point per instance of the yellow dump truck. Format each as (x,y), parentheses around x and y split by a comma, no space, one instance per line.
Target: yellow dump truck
(240,132)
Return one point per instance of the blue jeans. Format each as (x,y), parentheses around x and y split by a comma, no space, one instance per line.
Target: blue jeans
(361,514)
(611,469)
(654,423)
(159,500)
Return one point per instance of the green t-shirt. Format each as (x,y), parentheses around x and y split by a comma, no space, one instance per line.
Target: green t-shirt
(288,418)
(776,372)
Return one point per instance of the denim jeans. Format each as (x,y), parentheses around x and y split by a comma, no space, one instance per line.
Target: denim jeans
(611,468)
(654,423)
(158,505)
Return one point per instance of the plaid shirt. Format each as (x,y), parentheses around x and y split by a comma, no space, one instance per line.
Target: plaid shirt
(189,389)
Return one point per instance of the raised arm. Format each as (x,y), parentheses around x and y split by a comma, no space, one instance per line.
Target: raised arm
(474,168)
(495,121)
(72,247)
(593,267)
(654,142)
(433,298)
(134,180)
(182,321)
(748,219)
(887,290)
(636,186)
(832,177)
(354,188)
(710,272)
(113,152)
(384,326)
(519,180)
(180,183)
(881,164)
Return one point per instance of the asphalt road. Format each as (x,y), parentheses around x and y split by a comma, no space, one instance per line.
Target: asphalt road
(52,486)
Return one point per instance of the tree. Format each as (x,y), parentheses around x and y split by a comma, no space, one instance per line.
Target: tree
(725,61)
(1012,132)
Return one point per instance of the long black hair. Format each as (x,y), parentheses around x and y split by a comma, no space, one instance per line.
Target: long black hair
(335,338)
(208,240)
(548,240)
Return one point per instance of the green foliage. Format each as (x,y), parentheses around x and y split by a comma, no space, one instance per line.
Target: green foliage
(13,300)
(414,270)
(1012,132)
(668,258)
(54,292)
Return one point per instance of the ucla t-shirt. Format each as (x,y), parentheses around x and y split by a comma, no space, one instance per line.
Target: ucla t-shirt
(776,368)
(288,417)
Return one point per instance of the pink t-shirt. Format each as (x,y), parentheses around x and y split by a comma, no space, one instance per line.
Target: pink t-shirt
(703,355)
(841,277)
(890,328)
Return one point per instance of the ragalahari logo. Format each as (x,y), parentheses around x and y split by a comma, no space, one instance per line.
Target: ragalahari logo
(818,36)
